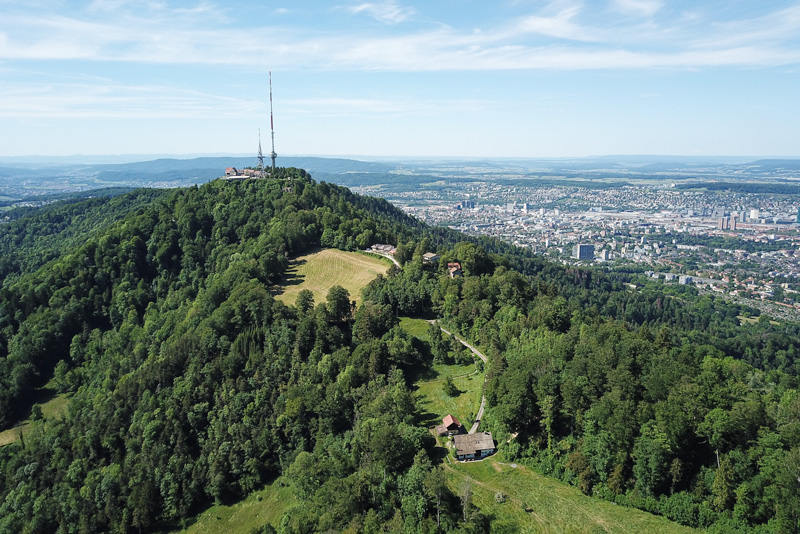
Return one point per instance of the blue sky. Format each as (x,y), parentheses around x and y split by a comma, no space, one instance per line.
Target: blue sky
(507,78)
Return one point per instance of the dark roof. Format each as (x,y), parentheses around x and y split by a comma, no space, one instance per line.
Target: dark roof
(472,443)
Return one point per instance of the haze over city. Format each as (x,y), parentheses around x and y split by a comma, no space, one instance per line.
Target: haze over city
(500,79)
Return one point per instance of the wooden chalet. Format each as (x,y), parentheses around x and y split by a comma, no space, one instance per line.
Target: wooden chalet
(474,446)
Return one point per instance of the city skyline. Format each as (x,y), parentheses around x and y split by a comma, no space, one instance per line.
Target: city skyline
(389,78)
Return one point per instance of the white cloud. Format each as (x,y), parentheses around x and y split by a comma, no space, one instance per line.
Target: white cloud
(646,8)
(525,43)
(342,107)
(560,26)
(388,12)
(103,100)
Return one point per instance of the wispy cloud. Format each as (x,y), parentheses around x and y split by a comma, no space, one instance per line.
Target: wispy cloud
(561,26)
(388,12)
(554,38)
(646,8)
(379,108)
(103,100)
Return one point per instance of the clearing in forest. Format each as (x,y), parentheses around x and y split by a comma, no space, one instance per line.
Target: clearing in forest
(52,406)
(429,383)
(261,507)
(534,503)
(323,269)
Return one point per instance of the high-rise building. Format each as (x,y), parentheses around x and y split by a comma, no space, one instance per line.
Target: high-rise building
(583,252)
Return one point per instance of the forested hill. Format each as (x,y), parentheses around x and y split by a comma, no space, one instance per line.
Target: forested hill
(188,384)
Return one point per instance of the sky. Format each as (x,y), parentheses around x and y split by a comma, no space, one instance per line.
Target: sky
(446,78)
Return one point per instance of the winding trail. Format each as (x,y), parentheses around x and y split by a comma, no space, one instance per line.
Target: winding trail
(480,355)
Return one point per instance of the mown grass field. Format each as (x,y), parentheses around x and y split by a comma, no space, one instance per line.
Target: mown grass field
(554,507)
(260,507)
(323,269)
(55,406)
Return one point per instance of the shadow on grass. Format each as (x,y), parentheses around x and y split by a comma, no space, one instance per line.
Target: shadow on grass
(427,419)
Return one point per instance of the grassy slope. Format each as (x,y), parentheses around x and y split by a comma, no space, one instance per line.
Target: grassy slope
(55,406)
(430,389)
(321,270)
(260,507)
(554,507)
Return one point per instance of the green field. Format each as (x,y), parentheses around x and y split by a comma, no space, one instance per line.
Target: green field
(260,507)
(52,406)
(435,403)
(432,399)
(323,269)
(416,327)
(552,506)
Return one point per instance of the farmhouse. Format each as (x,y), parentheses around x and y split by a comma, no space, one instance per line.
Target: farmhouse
(474,446)
(430,257)
(382,249)
(454,269)
(449,427)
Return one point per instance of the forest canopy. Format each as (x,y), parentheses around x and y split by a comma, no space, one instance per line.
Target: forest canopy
(189,384)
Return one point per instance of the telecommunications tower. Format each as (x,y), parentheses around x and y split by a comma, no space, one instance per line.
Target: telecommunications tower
(260,165)
(272,154)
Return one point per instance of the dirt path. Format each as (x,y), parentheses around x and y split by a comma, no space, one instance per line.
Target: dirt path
(482,356)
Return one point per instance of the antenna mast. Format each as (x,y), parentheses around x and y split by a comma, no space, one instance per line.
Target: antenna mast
(272,154)
(260,155)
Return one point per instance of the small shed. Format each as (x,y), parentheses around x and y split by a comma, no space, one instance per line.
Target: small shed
(449,427)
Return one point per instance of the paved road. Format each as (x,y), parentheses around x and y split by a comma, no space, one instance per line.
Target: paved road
(482,356)
(389,256)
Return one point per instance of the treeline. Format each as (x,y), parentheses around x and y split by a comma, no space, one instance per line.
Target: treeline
(34,236)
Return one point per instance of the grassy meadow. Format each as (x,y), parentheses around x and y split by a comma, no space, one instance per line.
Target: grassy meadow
(538,504)
(429,384)
(52,406)
(263,506)
(323,269)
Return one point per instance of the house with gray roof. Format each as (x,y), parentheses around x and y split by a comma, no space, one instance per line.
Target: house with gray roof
(474,446)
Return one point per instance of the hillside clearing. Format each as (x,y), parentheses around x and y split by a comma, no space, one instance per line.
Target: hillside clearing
(52,406)
(429,384)
(553,507)
(323,269)
(263,506)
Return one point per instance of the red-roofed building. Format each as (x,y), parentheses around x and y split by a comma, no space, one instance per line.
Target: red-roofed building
(449,427)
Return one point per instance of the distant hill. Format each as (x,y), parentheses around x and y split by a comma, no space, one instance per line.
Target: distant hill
(789,164)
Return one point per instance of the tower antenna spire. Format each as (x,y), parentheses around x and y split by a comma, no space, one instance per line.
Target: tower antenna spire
(260,155)
(272,154)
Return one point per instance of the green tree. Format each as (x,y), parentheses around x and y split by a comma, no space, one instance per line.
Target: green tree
(449,387)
